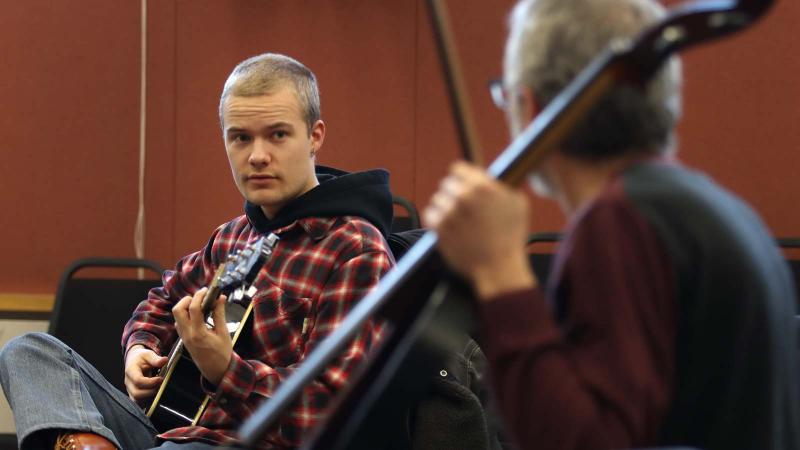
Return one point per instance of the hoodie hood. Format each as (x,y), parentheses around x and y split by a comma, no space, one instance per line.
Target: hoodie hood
(339,193)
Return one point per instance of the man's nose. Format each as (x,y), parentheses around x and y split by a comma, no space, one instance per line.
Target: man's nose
(261,153)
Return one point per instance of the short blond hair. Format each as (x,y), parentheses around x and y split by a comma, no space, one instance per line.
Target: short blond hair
(263,74)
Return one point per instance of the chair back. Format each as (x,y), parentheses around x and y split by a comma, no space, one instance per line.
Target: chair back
(90,313)
(539,258)
(399,242)
(407,221)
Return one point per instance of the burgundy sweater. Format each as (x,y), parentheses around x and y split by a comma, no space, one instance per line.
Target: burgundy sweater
(630,345)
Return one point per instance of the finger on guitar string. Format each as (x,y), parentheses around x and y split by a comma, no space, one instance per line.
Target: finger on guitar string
(211,347)
(188,314)
(218,315)
(195,307)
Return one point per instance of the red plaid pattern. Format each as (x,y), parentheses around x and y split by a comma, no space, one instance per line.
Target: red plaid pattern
(319,269)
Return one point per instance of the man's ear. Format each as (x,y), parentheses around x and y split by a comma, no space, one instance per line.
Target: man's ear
(528,105)
(317,136)
(522,108)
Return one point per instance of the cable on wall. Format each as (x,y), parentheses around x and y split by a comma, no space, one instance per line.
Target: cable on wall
(138,234)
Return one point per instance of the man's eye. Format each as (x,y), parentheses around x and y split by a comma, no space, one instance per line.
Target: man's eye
(280,134)
(240,138)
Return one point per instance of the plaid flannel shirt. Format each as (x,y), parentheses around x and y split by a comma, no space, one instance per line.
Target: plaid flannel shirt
(318,270)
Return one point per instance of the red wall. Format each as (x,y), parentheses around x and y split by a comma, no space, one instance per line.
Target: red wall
(69,119)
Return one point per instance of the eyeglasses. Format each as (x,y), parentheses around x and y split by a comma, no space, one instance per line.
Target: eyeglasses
(499,94)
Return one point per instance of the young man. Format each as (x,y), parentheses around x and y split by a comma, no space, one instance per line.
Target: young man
(330,253)
(668,315)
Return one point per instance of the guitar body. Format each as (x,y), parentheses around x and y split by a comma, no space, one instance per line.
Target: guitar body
(179,405)
(181,401)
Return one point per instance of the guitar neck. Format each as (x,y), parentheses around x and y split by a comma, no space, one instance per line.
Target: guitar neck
(213,292)
(210,299)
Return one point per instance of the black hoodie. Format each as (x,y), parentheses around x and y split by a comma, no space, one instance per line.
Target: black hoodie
(339,193)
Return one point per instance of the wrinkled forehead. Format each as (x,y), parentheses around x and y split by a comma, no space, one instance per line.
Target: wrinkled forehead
(255,84)
(283,95)
(279,106)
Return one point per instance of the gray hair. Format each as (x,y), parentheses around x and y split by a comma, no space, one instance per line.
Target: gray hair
(551,41)
(263,74)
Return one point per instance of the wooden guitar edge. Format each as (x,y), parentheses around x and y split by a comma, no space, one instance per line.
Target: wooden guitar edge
(163,387)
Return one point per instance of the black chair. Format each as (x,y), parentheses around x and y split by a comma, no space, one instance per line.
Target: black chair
(794,267)
(408,221)
(400,241)
(541,260)
(90,313)
(788,243)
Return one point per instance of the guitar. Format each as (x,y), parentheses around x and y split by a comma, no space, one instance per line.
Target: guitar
(180,400)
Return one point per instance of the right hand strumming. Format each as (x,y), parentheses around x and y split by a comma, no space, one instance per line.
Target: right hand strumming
(141,367)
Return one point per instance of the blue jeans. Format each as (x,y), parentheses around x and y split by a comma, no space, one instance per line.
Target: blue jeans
(51,387)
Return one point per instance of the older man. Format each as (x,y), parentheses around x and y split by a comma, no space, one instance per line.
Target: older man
(330,253)
(668,315)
